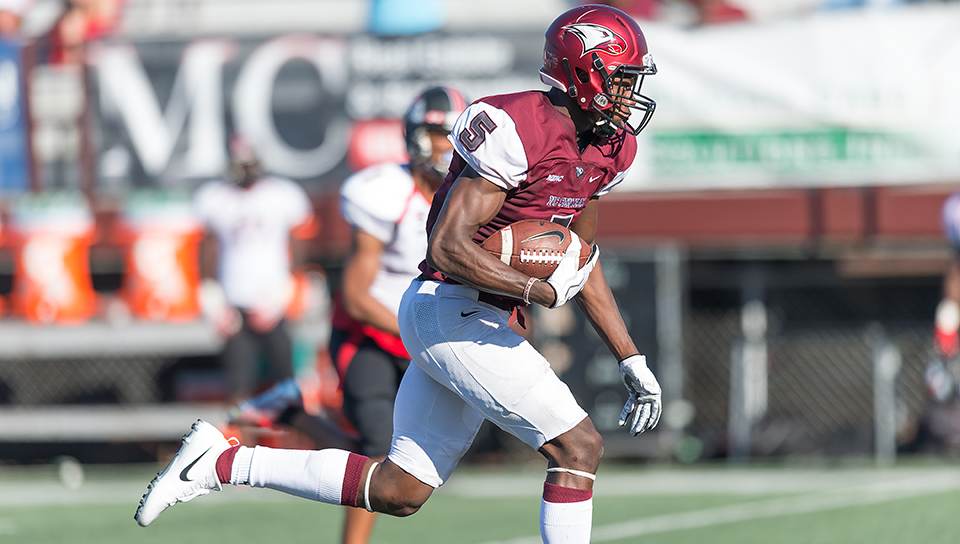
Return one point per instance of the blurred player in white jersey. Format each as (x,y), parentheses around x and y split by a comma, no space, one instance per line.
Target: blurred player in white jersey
(939,426)
(256,222)
(943,372)
(387,207)
(527,155)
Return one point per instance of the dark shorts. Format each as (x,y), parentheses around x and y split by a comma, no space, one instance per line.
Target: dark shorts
(243,351)
(369,389)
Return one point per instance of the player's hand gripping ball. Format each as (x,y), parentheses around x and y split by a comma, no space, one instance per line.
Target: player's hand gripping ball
(533,246)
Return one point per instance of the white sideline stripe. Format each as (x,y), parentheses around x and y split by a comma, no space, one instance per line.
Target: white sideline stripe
(727,482)
(32,493)
(49,494)
(807,503)
(26,493)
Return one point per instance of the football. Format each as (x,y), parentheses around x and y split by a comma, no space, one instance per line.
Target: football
(532,246)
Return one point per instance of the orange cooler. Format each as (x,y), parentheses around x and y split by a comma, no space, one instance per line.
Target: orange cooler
(51,235)
(162,240)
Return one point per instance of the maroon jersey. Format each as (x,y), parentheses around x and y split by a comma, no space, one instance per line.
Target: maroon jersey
(523,144)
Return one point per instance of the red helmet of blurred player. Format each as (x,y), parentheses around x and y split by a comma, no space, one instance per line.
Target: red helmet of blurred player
(598,56)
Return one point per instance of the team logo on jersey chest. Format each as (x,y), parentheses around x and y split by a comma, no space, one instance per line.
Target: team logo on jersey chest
(579,170)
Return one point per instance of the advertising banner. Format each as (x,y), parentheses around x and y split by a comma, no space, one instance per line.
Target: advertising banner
(831,99)
(843,98)
(13,135)
(306,103)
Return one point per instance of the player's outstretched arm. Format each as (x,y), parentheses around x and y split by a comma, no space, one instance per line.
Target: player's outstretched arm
(643,406)
(471,203)
(596,299)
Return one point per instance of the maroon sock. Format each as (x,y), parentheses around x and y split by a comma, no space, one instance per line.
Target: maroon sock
(225,464)
(559,493)
(351,480)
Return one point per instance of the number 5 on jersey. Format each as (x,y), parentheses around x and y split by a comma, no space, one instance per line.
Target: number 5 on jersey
(473,136)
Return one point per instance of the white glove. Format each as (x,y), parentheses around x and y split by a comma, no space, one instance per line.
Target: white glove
(568,279)
(644,401)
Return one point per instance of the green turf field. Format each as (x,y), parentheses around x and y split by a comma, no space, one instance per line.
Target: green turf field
(661,505)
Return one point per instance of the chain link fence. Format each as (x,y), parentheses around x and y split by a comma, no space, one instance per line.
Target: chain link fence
(817,395)
(814,396)
(83,380)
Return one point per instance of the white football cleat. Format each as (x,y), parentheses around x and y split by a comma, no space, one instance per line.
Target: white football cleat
(191,473)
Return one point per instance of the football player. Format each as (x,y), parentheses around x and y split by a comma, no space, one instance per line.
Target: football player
(943,370)
(387,207)
(545,155)
(258,225)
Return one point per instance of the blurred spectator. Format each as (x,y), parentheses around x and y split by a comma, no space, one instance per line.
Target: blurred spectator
(709,12)
(255,218)
(405,17)
(713,12)
(846,4)
(641,9)
(702,12)
(82,22)
(11,16)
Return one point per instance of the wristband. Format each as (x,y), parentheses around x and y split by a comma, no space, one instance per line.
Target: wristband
(526,290)
(638,354)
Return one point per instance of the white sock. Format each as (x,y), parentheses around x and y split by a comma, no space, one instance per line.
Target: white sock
(563,519)
(330,476)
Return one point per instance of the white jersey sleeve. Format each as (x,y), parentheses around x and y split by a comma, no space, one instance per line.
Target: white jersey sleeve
(205,201)
(295,202)
(617,179)
(374,199)
(626,165)
(486,137)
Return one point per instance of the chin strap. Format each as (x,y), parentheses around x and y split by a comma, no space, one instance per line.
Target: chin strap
(582,474)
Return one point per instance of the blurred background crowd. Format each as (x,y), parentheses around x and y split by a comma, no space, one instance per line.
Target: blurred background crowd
(778,250)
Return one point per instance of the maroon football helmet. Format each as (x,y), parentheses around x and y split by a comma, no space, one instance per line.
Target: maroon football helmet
(598,56)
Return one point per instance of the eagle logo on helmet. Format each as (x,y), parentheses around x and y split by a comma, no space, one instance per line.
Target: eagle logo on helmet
(595,37)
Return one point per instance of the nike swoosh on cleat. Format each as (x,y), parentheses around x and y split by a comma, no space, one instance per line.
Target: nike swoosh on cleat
(468,314)
(183,473)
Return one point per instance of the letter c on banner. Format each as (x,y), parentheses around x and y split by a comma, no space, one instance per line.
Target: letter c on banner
(253,113)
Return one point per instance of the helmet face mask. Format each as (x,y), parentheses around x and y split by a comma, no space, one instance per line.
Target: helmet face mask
(622,105)
(432,152)
(598,56)
(426,125)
